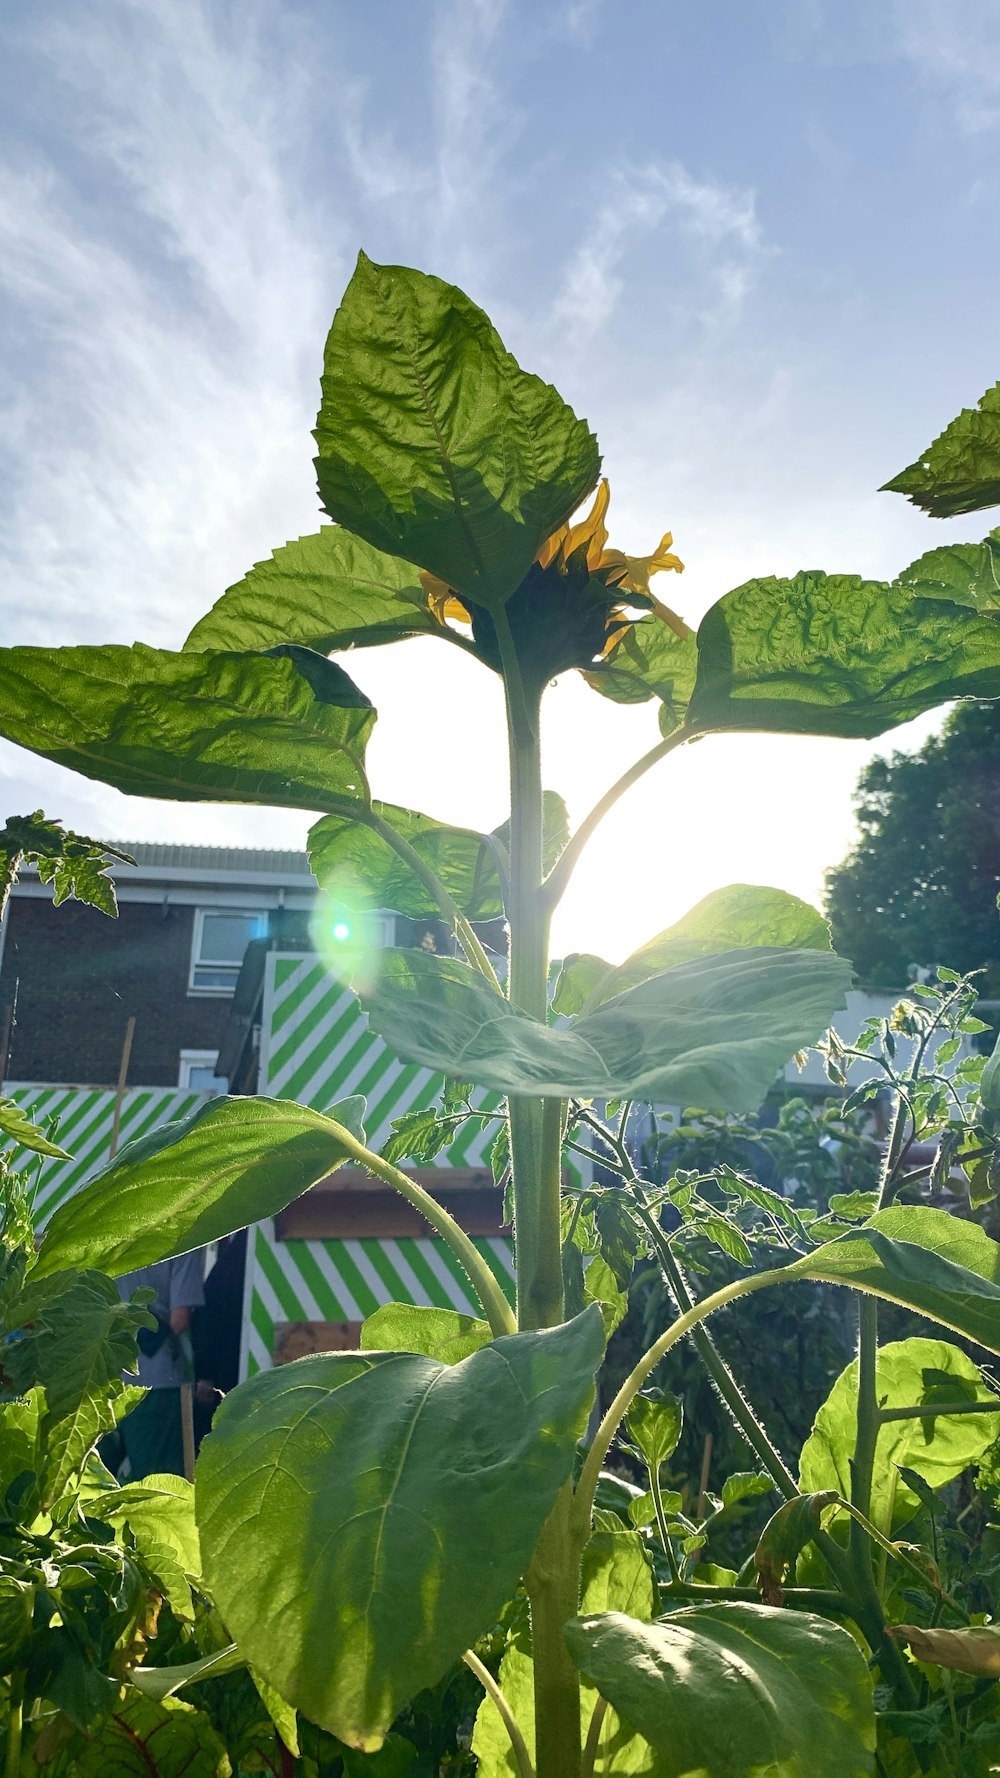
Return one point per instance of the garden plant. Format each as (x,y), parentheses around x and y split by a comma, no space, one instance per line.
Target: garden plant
(366,1521)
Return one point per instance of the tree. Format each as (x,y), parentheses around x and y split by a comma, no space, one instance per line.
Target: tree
(920,885)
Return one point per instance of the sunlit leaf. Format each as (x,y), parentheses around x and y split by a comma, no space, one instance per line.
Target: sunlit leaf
(444,1334)
(740,916)
(832,654)
(287,728)
(16,1126)
(433,444)
(728,1691)
(960,574)
(712,1032)
(651,660)
(364,1517)
(330,591)
(960,471)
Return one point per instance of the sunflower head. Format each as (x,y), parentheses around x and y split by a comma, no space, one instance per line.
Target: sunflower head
(574,604)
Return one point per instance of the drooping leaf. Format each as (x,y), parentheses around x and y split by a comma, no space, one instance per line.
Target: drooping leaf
(433,444)
(15,1126)
(165,1682)
(148,1738)
(329,592)
(938,1450)
(729,1691)
(976,1650)
(651,661)
(286,728)
(444,1334)
(926,1260)
(960,471)
(230,1163)
(615,1576)
(76,866)
(405,1505)
(654,1424)
(713,1032)
(783,1539)
(832,654)
(735,918)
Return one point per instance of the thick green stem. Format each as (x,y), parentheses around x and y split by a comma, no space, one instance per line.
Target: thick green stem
(15,1725)
(553,1587)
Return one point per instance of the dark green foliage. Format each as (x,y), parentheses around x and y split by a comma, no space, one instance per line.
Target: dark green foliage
(920,886)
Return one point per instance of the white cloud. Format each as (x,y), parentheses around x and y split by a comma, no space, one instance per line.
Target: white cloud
(718,221)
(955,44)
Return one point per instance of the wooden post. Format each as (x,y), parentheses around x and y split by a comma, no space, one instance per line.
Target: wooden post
(706,1466)
(8,1021)
(120,1093)
(187,1428)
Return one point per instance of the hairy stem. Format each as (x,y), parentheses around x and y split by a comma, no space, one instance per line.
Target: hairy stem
(490,1686)
(494,1304)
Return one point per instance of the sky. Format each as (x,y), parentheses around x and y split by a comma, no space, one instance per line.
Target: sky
(755,242)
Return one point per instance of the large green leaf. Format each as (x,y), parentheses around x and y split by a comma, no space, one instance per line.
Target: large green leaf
(364,1518)
(735,1691)
(230,1163)
(832,654)
(650,661)
(926,1260)
(351,860)
(936,1449)
(740,916)
(960,471)
(74,1334)
(330,591)
(287,728)
(434,444)
(959,573)
(615,1576)
(710,1032)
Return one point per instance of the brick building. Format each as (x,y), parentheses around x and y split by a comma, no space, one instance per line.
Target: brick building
(70,978)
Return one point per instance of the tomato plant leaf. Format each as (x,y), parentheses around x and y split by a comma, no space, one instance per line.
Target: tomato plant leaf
(938,1450)
(711,1032)
(740,916)
(926,1260)
(433,443)
(960,471)
(330,591)
(803,1689)
(832,654)
(364,1517)
(286,728)
(16,1126)
(229,1163)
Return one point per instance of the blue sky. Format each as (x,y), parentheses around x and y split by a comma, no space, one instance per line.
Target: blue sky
(754,241)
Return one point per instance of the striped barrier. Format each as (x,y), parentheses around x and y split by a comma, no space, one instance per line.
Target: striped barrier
(83,1120)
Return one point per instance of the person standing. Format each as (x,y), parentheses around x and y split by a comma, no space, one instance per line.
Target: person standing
(152,1434)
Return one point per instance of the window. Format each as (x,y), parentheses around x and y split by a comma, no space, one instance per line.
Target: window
(197,1072)
(220,942)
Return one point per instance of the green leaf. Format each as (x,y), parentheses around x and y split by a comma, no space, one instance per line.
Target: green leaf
(364,1517)
(16,1127)
(75,866)
(69,1442)
(615,1576)
(713,1032)
(158,1511)
(146,1738)
(961,574)
(230,1163)
(286,728)
(330,591)
(434,444)
(650,661)
(745,1484)
(938,1450)
(960,471)
(729,1691)
(654,1424)
(349,860)
(742,916)
(76,1335)
(926,1260)
(444,1334)
(163,1682)
(832,654)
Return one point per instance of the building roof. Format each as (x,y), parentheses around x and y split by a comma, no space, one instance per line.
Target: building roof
(155,856)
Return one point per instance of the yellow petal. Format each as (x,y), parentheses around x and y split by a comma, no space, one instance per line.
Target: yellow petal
(590,533)
(632,573)
(441,601)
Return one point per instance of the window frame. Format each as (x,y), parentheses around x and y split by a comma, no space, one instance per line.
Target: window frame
(197,961)
(192,1058)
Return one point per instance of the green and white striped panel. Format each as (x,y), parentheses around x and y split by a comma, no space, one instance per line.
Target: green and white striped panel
(349,1280)
(316,1048)
(84,1121)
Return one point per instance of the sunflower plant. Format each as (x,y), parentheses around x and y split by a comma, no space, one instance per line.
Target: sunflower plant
(369,1519)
